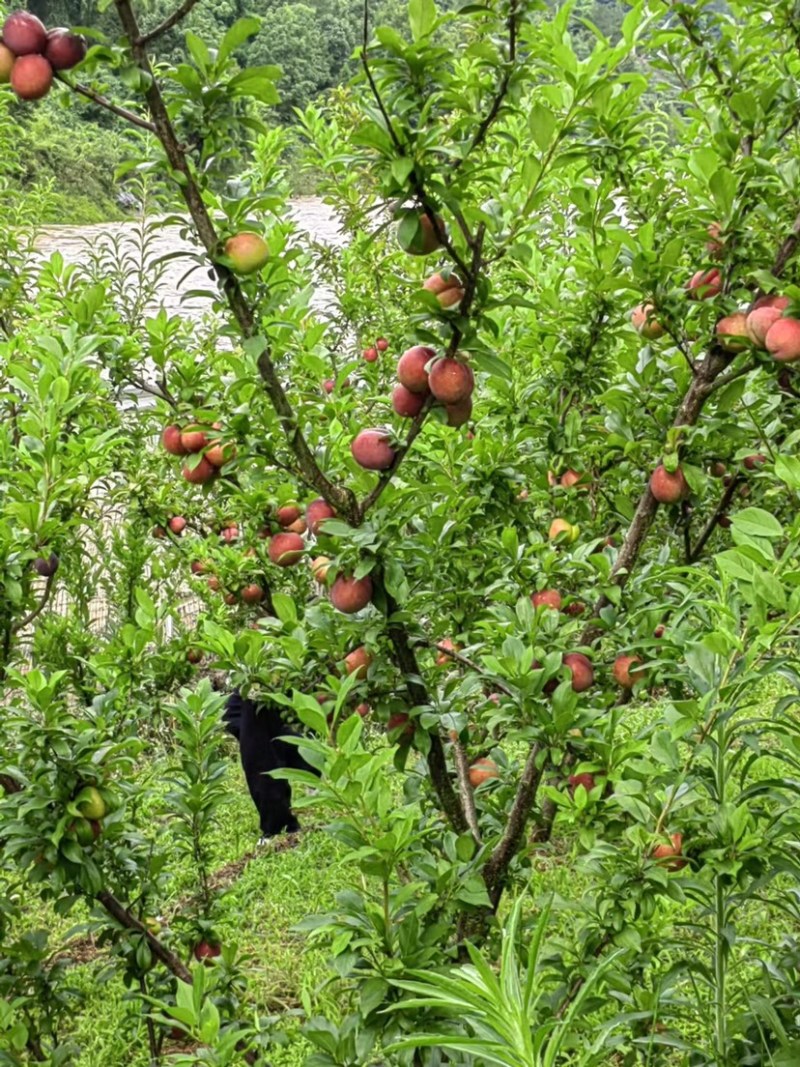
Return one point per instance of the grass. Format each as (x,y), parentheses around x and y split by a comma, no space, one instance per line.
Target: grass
(264,893)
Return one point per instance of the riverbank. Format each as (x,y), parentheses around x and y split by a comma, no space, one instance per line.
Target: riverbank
(131,245)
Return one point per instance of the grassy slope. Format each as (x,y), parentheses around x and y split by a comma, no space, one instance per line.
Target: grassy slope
(268,891)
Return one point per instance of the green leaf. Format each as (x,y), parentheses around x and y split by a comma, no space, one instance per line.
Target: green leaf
(254,346)
(373,994)
(755,522)
(257,83)
(723,187)
(703,163)
(239,32)
(401,168)
(541,123)
(396,582)
(145,602)
(422,17)
(787,469)
(285,607)
(198,50)
(769,588)
(491,364)
(391,39)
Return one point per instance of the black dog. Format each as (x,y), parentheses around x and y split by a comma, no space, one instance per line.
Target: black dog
(258,729)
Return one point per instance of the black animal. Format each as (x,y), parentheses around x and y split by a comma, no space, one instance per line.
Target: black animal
(258,728)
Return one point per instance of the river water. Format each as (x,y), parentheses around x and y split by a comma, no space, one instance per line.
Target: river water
(314,219)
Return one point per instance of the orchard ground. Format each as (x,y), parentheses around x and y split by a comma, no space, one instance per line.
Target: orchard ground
(266,890)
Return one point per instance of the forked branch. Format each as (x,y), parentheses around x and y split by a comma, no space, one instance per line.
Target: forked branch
(172,20)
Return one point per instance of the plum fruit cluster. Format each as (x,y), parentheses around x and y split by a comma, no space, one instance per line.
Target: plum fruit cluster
(30,54)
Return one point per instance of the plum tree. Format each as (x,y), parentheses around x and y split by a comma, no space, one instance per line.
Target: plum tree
(452,534)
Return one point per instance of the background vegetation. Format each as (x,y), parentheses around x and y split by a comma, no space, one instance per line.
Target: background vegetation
(75,148)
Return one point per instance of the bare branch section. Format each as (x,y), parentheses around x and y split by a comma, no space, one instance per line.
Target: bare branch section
(338,496)
(118,911)
(168,23)
(104,102)
(495,870)
(37,611)
(465,789)
(406,662)
(713,520)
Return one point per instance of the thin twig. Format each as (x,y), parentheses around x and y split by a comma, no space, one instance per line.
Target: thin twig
(173,20)
(502,91)
(103,101)
(732,375)
(465,790)
(118,911)
(713,520)
(414,180)
(37,611)
(468,663)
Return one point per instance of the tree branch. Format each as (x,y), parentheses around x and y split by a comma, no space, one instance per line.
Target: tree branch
(102,101)
(338,496)
(470,664)
(414,181)
(37,611)
(687,415)
(494,871)
(118,911)
(731,376)
(465,790)
(406,662)
(713,520)
(173,20)
(502,91)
